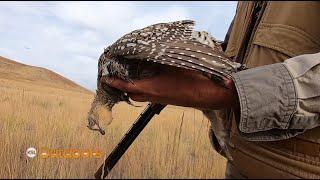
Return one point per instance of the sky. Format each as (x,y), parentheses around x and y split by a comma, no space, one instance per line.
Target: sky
(69,37)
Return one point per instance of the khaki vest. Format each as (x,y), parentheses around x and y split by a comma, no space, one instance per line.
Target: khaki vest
(283,30)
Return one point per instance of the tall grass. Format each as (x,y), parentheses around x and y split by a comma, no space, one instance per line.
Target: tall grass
(175,144)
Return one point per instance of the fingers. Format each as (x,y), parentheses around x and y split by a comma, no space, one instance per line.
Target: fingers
(120,84)
(138,97)
(144,98)
(130,88)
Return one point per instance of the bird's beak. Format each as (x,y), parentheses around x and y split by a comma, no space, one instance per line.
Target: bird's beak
(102,131)
(92,123)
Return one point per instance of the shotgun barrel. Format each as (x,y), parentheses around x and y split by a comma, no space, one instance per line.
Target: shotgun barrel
(128,139)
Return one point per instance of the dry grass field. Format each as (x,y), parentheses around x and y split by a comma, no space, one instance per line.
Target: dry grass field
(52,114)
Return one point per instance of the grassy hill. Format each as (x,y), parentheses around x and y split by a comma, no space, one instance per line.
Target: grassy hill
(41,109)
(16,71)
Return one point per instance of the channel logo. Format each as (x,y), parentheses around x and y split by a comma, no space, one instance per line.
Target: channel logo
(31,152)
(46,153)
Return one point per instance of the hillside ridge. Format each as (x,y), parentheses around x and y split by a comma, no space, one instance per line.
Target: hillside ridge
(13,70)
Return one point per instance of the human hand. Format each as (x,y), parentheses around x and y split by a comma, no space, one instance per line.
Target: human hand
(180,87)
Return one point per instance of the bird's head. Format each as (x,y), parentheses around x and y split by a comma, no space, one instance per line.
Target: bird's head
(98,112)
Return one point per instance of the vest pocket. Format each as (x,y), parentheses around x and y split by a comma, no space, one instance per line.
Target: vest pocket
(286,39)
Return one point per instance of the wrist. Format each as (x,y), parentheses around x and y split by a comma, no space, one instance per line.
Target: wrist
(230,98)
(219,97)
(235,103)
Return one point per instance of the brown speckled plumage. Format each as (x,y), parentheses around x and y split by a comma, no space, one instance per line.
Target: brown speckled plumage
(172,44)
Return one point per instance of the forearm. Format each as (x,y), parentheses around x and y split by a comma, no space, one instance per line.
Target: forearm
(281,100)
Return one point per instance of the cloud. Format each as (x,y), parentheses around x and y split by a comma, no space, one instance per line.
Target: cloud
(68,37)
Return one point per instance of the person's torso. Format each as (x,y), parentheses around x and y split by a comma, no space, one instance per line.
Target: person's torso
(284,30)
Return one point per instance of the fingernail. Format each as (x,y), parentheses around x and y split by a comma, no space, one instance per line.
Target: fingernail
(108,80)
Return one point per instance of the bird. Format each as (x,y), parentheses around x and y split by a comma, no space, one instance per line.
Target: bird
(143,52)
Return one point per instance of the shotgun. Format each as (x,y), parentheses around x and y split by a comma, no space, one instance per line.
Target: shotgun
(128,139)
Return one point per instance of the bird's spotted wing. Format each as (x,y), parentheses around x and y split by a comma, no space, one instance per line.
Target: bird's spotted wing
(191,54)
(174,44)
(139,43)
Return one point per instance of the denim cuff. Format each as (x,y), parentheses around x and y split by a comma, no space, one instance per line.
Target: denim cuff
(268,101)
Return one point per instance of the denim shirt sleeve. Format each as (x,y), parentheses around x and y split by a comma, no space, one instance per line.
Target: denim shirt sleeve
(281,100)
